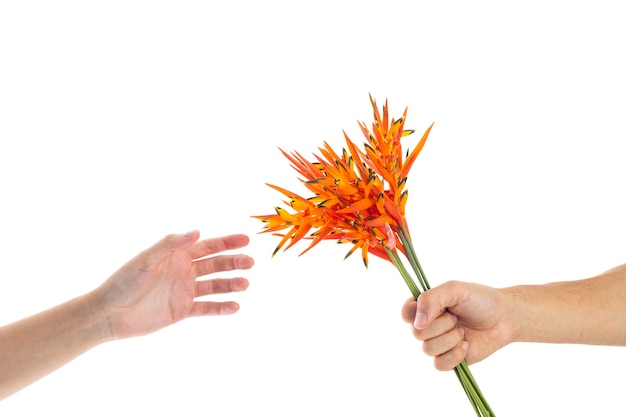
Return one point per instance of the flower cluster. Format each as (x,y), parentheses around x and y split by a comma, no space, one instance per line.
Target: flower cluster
(359,195)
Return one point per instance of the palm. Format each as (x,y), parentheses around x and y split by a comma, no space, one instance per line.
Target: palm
(154,295)
(159,286)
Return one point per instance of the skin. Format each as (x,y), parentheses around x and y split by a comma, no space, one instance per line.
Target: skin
(154,290)
(460,320)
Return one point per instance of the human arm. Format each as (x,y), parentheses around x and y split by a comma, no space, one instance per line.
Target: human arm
(155,289)
(460,320)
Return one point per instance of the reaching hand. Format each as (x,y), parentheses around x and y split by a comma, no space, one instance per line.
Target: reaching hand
(457,321)
(160,285)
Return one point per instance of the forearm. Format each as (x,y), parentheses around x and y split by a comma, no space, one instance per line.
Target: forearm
(34,347)
(588,311)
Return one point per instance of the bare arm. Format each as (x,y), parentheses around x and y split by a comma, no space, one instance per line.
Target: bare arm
(155,289)
(589,311)
(33,347)
(459,320)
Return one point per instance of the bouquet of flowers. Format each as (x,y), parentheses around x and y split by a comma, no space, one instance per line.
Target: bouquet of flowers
(358,196)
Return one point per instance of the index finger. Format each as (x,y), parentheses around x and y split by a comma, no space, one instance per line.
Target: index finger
(409,309)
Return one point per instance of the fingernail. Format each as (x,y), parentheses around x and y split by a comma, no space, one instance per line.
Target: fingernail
(420,319)
(191,232)
(240,284)
(464,345)
(230,308)
(243,262)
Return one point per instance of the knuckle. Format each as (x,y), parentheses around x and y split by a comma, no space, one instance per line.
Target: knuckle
(449,360)
(424,297)
(439,364)
(418,334)
(428,348)
(448,321)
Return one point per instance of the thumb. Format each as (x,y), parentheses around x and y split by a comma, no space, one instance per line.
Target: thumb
(434,302)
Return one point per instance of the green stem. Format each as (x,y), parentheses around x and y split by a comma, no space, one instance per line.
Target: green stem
(405,274)
(412,256)
(467,390)
(476,392)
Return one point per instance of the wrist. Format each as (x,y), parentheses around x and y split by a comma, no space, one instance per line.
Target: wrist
(100,322)
(513,311)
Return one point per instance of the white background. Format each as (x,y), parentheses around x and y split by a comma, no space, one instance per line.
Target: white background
(123,121)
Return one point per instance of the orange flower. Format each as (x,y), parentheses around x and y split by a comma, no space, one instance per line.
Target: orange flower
(358,195)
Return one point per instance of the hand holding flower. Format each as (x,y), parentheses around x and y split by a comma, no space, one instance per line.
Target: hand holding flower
(456,312)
